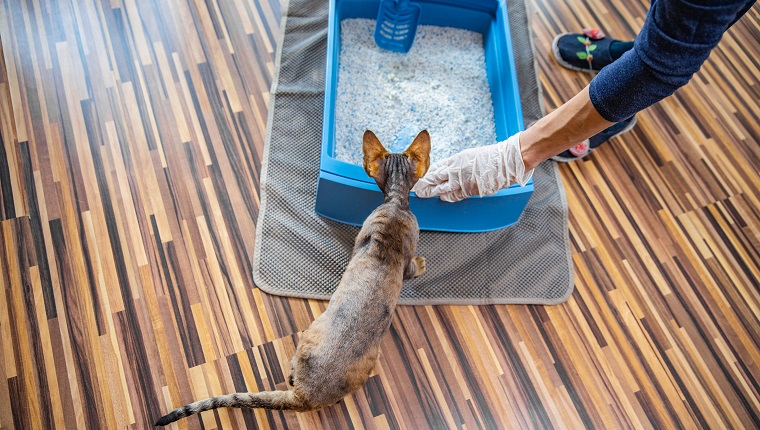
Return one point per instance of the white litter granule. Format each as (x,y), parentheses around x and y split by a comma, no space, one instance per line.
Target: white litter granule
(439,85)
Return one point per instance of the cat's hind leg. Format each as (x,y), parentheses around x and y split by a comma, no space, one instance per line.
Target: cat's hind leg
(415,268)
(292,373)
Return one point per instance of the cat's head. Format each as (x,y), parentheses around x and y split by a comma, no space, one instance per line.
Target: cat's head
(403,169)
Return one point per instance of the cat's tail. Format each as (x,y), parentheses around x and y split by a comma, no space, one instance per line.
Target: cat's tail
(280,400)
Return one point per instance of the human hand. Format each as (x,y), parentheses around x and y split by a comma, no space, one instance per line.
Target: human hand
(480,171)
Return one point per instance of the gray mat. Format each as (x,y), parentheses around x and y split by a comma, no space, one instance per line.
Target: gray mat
(299,254)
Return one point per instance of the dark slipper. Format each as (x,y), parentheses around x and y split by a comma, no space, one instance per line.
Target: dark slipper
(587,146)
(585,52)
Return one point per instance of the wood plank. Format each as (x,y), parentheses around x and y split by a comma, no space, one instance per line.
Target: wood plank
(131,140)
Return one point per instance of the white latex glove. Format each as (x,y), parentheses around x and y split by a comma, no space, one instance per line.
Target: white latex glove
(480,171)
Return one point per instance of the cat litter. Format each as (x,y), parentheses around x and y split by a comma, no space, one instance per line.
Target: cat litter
(439,85)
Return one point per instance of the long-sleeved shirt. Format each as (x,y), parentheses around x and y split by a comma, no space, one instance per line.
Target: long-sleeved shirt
(676,39)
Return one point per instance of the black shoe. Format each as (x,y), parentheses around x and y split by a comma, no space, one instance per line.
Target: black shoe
(584,52)
(587,146)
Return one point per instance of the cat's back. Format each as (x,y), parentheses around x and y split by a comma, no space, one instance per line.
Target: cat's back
(391,217)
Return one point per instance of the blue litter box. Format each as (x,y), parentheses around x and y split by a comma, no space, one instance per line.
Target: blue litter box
(344,191)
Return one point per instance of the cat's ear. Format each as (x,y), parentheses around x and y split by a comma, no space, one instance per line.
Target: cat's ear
(419,153)
(374,155)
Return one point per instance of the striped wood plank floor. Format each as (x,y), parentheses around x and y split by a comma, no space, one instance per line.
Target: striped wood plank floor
(132,133)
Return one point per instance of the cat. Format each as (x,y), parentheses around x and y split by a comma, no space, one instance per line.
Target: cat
(337,353)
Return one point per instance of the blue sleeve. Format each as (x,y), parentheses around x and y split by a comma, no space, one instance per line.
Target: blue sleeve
(677,37)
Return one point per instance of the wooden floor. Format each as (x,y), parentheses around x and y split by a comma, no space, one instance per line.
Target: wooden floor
(132,133)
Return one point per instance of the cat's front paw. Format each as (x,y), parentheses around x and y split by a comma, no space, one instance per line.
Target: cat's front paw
(420,264)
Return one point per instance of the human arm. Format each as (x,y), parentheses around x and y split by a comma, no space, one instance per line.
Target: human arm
(573,122)
(485,170)
(676,39)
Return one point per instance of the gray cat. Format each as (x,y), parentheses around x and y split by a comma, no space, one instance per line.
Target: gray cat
(337,353)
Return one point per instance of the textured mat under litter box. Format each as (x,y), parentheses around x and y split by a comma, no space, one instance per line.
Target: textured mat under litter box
(299,254)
